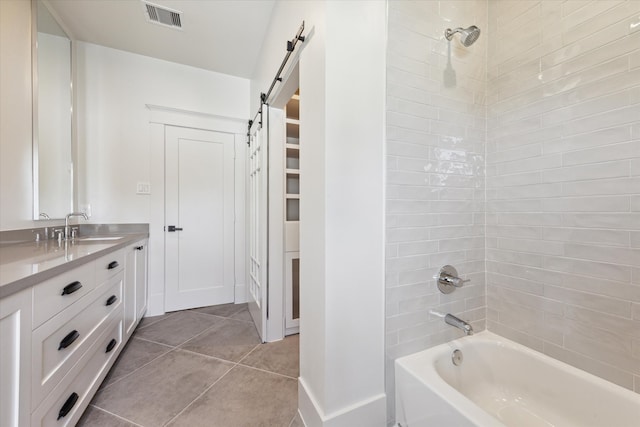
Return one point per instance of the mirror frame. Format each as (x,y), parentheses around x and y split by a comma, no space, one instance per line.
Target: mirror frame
(34,110)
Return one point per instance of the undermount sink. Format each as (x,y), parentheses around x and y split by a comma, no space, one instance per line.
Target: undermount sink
(98,238)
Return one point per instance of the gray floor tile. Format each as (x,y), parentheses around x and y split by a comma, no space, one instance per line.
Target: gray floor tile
(148,321)
(228,339)
(244,397)
(136,354)
(281,357)
(94,417)
(222,310)
(154,394)
(297,421)
(243,315)
(178,328)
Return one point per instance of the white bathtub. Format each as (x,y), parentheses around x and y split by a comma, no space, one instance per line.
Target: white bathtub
(502,383)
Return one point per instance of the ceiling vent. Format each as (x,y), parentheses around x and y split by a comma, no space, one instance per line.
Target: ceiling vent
(162,16)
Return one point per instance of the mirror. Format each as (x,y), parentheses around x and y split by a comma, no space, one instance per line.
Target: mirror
(52,116)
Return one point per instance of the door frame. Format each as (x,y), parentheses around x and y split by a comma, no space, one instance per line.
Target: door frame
(159,117)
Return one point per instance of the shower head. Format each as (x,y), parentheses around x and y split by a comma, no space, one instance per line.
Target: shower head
(468,36)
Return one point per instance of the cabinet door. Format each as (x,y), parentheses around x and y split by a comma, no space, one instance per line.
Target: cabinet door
(141,279)
(130,290)
(15,358)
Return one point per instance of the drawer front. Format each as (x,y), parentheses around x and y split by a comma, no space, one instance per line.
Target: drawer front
(66,403)
(109,265)
(54,295)
(60,343)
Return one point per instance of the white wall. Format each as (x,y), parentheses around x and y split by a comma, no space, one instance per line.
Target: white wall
(115,136)
(16,205)
(563,182)
(342,204)
(436,125)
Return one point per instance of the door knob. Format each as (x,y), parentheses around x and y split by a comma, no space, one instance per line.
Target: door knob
(172,228)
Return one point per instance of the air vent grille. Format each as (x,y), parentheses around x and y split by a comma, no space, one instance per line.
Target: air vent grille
(163,16)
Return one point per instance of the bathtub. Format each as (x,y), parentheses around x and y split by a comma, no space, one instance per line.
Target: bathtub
(502,383)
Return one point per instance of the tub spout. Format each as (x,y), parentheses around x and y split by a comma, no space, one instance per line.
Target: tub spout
(452,320)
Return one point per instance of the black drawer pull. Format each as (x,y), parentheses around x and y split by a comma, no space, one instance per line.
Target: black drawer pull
(112,265)
(111,345)
(139,248)
(69,339)
(112,299)
(71,288)
(68,405)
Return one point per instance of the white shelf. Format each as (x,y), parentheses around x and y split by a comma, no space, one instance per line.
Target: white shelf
(292,121)
(293,146)
(293,196)
(294,96)
(293,171)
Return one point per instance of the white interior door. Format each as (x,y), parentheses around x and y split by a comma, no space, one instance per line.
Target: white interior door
(257,203)
(199,212)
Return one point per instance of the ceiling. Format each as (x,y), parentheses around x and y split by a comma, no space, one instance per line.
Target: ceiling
(217,35)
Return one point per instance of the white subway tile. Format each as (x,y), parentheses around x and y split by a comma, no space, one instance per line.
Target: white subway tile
(600,286)
(620,273)
(586,235)
(622,151)
(635,239)
(417,248)
(621,256)
(634,60)
(586,204)
(590,171)
(548,219)
(590,301)
(602,187)
(593,366)
(619,221)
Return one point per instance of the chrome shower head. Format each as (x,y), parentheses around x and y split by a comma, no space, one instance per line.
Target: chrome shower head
(468,36)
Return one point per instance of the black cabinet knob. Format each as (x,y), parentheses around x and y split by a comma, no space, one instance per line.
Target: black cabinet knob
(111,345)
(112,265)
(112,299)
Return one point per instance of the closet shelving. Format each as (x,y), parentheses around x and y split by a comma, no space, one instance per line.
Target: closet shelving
(292,214)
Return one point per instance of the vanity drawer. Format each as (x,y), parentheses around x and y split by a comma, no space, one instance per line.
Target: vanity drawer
(65,405)
(54,295)
(60,343)
(109,265)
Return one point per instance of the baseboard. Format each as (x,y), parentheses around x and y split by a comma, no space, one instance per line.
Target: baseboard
(240,294)
(370,412)
(155,305)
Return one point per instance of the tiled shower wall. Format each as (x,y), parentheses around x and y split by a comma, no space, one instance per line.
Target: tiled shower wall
(436,128)
(563,181)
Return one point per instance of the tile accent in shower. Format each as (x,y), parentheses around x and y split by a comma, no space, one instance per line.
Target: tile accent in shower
(436,127)
(563,181)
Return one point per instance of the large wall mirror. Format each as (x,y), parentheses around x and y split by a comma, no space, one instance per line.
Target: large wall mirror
(52,116)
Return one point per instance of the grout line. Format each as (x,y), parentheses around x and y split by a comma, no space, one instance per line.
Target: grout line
(219,359)
(158,321)
(250,351)
(268,372)
(137,369)
(199,396)
(115,415)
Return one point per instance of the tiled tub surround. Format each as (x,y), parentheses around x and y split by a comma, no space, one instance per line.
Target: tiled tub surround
(548,101)
(563,181)
(436,121)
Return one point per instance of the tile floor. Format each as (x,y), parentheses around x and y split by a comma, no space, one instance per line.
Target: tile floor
(201,367)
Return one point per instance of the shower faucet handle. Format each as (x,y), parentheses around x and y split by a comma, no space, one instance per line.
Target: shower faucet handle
(448,279)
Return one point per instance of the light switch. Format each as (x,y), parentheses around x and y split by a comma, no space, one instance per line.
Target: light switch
(143,188)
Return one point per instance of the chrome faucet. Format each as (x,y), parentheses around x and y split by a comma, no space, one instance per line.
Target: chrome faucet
(452,320)
(66,222)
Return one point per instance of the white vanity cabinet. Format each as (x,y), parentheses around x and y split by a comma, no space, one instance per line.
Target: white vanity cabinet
(135,285)
(60,337)
(15,358)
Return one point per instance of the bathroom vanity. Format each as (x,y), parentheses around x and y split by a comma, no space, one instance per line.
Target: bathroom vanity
(67,308)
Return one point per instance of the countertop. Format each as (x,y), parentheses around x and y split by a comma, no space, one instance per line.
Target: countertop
(25,264)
